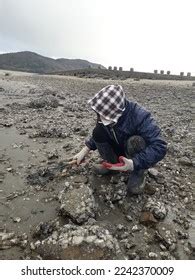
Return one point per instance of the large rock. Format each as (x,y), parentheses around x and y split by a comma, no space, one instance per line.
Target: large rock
(73,242)
(78,204)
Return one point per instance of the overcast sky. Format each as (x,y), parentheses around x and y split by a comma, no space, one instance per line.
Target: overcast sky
(144,34)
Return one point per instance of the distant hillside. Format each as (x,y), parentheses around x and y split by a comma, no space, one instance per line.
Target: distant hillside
(35,63)
(74,64)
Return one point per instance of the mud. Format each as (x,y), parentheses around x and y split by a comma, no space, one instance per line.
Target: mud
(44,120)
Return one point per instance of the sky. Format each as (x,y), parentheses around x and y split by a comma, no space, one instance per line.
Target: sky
(143,34)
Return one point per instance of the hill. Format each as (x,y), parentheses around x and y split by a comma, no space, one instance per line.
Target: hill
(36,63)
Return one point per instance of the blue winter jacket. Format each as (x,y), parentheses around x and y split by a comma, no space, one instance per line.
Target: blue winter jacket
(135,120)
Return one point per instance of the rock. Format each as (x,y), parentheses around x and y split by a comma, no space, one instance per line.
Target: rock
(53,155)
(149,189)
(6,236)
(79,243)
(43,230)
(153,172)
(185,161)
(192,236)
(166,236)
(165,255)
(2,89)
(186,225)
(15,194)
(9,169)
(147,219)
(135,228)
(32,246)
(182,235)
(8,240)
(162,247)
(67,146)
(83,132)
(78,204)
(129,218)
(16,219)
(120,227)
(67,184)
(79,239)
(153,256)
(2,176)
(49,132)
(118,192)
(42,102)
(79,179)
(7,124)
(41,177)
(172,248)
(157,208)
(2,109)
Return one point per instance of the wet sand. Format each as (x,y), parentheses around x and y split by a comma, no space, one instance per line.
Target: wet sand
(45,119)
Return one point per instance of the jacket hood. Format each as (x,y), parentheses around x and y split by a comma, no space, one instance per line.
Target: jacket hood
(109,102)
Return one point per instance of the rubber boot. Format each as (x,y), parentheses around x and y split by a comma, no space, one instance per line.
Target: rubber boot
(136,181)
(107,153)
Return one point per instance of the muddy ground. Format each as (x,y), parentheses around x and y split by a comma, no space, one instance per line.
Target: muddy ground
(52,211)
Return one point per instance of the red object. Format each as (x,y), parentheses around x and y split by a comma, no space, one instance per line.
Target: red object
(108,165)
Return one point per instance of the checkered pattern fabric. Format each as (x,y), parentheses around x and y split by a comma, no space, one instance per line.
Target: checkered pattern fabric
(109,102)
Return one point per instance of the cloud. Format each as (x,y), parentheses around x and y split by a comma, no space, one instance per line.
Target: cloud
(142,34)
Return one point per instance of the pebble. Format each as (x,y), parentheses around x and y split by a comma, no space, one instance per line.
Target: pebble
(135,228)
(153,172)
(129,218)
(9,169)
(16,219)
(153,255)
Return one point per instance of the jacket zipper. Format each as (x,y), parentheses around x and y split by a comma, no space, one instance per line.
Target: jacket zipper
(114,134)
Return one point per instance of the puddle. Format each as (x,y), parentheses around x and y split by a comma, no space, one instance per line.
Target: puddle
(29,205)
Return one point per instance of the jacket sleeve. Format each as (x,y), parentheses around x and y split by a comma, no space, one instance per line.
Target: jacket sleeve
(90,143)
(156,147)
